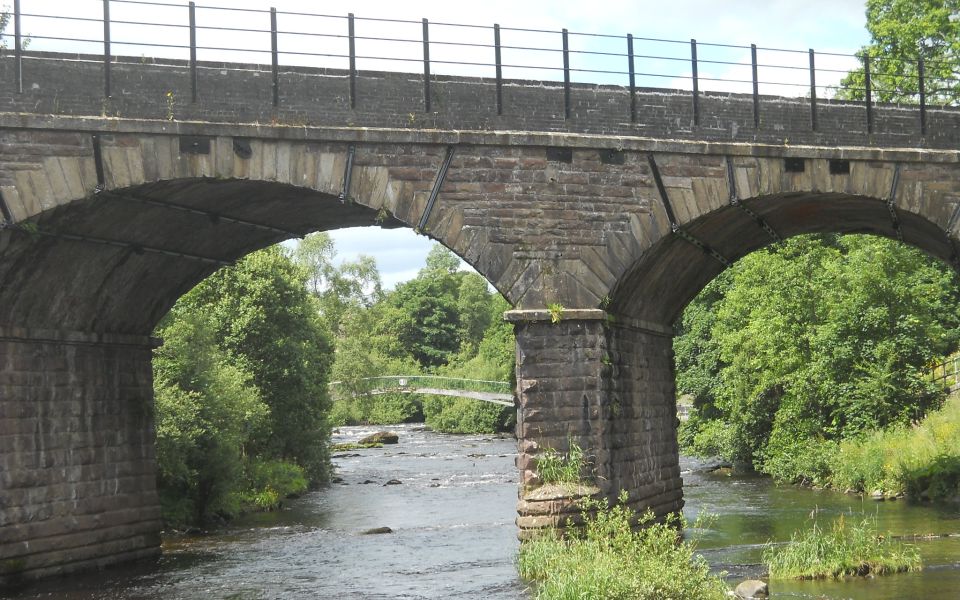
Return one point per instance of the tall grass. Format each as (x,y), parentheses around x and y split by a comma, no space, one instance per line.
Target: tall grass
(610,560)
(922,461)
(845,548)
(568,468)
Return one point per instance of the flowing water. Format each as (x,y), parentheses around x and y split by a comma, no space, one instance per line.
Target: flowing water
(453,534)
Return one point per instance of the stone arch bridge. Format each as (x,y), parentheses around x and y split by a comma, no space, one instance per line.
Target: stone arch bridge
(114,207)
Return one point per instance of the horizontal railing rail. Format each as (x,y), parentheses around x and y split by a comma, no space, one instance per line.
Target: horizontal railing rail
(946,373)
(413,382)
(192,32)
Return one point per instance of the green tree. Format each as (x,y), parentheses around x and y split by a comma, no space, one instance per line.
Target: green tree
(269,325)
(473,307)
(339,289)
(421,315)
(901,31)
(441,260)
(815,338)
(207,412)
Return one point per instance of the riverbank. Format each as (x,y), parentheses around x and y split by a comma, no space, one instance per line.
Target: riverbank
(920,461)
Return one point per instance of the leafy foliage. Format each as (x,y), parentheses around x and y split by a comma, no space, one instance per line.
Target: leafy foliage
(818,338)
(612,560)
(240,388)
(921,460)
(570,467)
(443,322)
(901,31)
(269,325)
(206,412)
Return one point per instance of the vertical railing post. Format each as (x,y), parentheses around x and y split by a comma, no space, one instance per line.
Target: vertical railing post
(756,86)
(426,65)
(193,52)
(633,79)
(106,48)
(922,88)
(274,55)
(352,35)
(868,92)
(499,63)
(566,75)
(694,73)
(17,46)
(813,91)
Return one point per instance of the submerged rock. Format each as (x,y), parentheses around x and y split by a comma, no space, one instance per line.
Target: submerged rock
(380,437)
(393,482)
(752,588)
(376,531)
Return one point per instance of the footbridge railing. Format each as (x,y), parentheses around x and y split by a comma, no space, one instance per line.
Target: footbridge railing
(496,392)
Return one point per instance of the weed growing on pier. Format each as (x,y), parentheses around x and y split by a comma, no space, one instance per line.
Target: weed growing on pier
(554,467)
(556,312)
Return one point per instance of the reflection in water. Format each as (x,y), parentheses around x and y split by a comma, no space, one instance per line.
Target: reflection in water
(454,535)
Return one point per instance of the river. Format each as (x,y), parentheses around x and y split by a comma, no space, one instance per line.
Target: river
(453,534)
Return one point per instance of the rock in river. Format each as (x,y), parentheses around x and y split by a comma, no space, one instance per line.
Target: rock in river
(376,530)
(752,588)
(380,437)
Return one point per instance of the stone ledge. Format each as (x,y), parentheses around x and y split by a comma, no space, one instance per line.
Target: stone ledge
(507,137)
(77,338)
(542,314)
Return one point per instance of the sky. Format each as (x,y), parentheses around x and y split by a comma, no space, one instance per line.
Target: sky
(828,26)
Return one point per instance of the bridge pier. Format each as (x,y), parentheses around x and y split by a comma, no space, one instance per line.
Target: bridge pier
(607,386)
(77,468)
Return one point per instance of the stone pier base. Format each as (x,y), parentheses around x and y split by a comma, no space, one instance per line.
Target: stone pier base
(77,469)
(608,386)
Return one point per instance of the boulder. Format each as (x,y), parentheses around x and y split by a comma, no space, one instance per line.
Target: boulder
(376,530)
(380,437)
(752,588)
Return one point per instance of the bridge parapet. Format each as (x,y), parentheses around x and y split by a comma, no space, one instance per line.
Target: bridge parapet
(67,84)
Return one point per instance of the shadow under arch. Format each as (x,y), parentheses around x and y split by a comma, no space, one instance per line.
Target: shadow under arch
(660,284)
(117,260)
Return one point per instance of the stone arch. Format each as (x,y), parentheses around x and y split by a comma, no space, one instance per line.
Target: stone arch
(618,396)
(651,297)
(724,207)
(100,235)
(105,240)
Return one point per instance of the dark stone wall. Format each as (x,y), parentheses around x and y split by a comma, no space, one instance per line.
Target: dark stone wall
(642,449)
(77,475)
(607,387)
(233,92)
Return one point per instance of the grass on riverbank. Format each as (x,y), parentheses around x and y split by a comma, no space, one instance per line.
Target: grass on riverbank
(846,548)
(609,560)
(922,461)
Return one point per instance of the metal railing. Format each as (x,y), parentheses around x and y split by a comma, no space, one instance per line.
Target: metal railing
(415,382)
(946,373)
(190,32)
